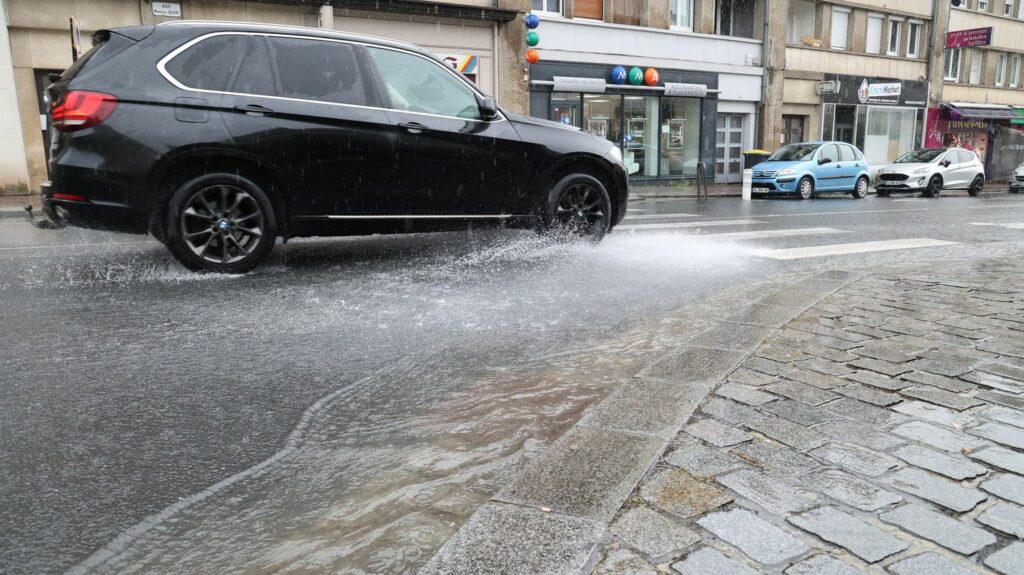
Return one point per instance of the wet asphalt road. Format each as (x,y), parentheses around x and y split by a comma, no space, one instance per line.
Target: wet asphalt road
(392,382)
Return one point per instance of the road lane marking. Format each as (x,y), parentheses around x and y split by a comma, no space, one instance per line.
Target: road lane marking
(854,248)
(86,245)
(656,216)
(994,205)
(762,234)
(1013,226)
(673,225)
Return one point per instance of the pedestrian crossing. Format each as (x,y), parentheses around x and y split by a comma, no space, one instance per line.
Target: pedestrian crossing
(851,248)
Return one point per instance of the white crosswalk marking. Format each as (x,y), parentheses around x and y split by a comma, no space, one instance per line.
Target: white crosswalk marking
(854,248)
(764,234)
(1012,226)
(657,216)
(673,225)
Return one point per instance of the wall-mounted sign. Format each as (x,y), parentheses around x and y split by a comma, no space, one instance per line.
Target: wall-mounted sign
(461,63)
(171,9)
(829,87)
(570,84)
(871,92)
(686,90)
(968,38)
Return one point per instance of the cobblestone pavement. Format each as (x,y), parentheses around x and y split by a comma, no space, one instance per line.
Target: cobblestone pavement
(880,431)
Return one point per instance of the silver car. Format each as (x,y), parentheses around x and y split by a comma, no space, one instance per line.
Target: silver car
(931,170)
(1017,180)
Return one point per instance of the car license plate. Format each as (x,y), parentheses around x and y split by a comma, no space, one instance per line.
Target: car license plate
(761,190)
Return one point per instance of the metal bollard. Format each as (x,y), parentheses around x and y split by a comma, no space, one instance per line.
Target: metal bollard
(748,183)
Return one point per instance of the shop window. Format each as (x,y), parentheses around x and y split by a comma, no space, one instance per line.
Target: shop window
(895,34)
(640,142)
(951,66)
(736,18)
(682,14)
(801,21)
(890,134)
(1014,71)
(828,121)
(593,9)
(846,122)
(602,117)
(975,75)
(914,39)
(552,6)
(565,108)
(1000,69)
(874,36)
(680,136)
(840,27)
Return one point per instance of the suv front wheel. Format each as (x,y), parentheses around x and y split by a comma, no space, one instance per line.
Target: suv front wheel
(220,223)
(578,208)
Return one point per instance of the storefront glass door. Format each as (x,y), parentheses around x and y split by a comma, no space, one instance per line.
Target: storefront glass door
(729,148)
(680,136)
(890,133)
(640,143)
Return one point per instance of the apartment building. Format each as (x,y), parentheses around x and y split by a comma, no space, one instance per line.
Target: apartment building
(855,71)
(481,38)
(982,104)
(701,109)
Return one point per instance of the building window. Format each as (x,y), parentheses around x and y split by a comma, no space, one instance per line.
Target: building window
(801,21)
(1000,69)
(1008,8)
(913,39)
(895,34)
(982,5)
(551,6)
(975,77)
(874,38)
(951,68)
(1014,71)
(840,25)
(736,18)
(682,14)
(1020,10)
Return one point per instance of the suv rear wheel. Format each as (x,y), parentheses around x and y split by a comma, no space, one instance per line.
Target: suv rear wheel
(220,223)
(578,208)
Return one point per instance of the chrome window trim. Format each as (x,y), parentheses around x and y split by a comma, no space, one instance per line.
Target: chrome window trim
(161,67)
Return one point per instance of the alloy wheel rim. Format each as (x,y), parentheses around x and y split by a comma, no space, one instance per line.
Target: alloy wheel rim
(222,224)
(805,189)
(862,187)
(579,210)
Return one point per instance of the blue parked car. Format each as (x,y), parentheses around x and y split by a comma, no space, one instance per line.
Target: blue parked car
(807,168)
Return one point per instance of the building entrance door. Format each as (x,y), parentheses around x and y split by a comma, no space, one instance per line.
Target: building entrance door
(729,148)
(792,130)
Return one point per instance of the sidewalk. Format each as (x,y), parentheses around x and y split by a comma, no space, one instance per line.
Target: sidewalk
(688,190)
(14,206)
(858,424)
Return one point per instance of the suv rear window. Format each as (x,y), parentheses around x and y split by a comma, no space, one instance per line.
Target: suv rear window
(209,64)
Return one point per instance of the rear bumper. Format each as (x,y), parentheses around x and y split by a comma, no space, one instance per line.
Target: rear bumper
(108,216)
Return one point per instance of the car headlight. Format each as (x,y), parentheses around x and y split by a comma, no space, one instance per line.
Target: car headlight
(921,171)
(786,172)
(615,153)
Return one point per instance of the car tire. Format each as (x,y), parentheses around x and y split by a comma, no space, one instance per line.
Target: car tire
(578,208)
(976,186)
(805,188)
(934,187)
(220,223)
(860,189)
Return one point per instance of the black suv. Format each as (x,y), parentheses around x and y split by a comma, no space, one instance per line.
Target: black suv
(218,138)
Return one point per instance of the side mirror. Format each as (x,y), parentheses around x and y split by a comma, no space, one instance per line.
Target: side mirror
(945,163)
(54,77)
(488,109)
(824,161)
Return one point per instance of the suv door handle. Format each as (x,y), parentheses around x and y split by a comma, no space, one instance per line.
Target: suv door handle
(255,110)
(413,127)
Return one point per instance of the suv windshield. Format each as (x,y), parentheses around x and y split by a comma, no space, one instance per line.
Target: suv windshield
(794,152)
(922,156)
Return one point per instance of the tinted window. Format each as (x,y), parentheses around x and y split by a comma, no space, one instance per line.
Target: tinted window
(416,84)
(317,70)
(847,153)
(829,151)
(965,156)
(256,75)
(794,152)
(210,64)
(922,156)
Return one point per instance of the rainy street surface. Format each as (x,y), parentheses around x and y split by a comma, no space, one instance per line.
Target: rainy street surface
(350,404)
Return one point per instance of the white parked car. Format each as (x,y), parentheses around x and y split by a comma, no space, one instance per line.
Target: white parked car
(931,170)
(1017,180)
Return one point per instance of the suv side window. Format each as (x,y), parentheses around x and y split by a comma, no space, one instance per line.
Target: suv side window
(415,84)
(209,64)
(829,151)
(255,75)
(965,156)
(847,153)
(318,70)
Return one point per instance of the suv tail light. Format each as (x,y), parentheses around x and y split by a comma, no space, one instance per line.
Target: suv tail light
(79,110)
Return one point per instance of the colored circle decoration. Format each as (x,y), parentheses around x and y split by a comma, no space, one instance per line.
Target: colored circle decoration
(532,21)
(618,75)
(636,76)
(532,38)
(532,56)
(651,77)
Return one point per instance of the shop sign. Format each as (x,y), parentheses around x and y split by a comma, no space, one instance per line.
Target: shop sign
(686,90)
(570,84)
(968,38)
(170,9)
(460,62)
(868,92)
(967,126)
